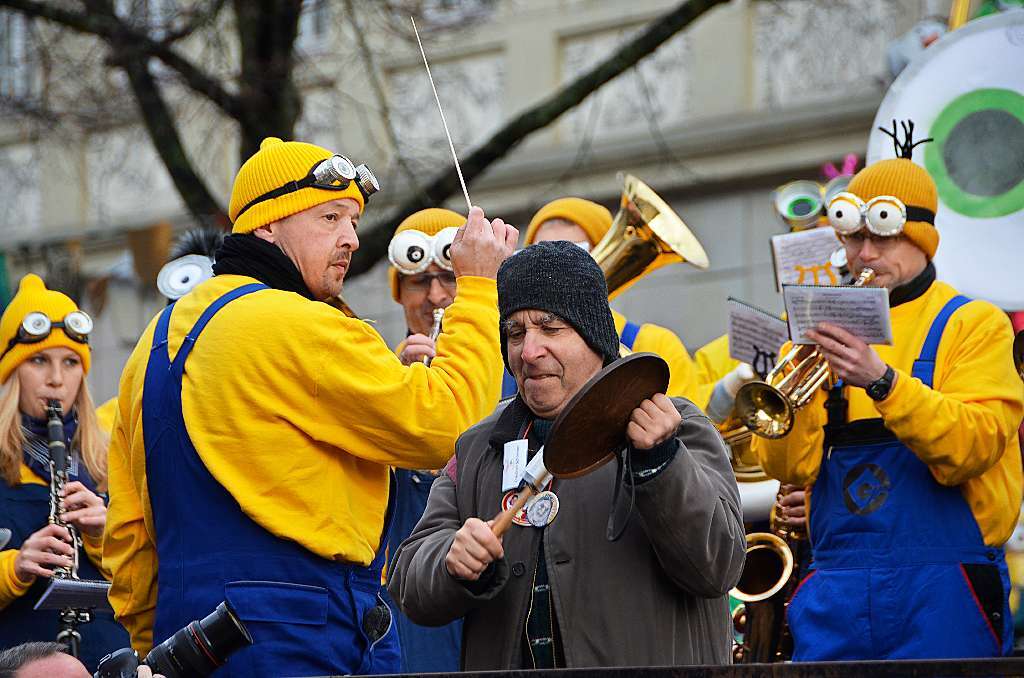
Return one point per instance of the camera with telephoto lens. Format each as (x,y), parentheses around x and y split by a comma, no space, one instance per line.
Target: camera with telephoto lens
(198,650)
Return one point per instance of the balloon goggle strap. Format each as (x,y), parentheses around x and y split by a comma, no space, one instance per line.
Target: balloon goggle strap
(884,215)
(37,326)
(333,174)
(412,251)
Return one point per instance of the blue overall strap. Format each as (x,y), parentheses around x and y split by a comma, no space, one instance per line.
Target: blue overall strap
(508,385)
(178,366)
(629,333)
(924,366)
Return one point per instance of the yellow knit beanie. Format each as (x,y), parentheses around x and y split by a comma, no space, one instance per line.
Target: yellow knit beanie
(33,296)
(274,165)
(594,219)
(911,183)
(431,221)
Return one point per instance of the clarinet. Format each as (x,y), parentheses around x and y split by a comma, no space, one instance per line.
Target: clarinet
(60,462)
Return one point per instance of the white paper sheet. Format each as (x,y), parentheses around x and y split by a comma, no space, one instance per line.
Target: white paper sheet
(802,258)
(755,336)
(863,311)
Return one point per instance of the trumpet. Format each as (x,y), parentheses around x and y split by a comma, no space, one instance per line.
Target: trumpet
(767,407)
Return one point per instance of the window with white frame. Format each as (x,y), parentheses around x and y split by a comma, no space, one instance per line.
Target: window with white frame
(314,25)
(17,65)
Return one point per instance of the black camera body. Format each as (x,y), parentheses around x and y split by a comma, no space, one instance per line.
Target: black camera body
(197,650)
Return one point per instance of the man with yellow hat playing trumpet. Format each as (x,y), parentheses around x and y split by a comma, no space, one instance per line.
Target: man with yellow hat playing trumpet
(256,427)
(913,455)
(585,223)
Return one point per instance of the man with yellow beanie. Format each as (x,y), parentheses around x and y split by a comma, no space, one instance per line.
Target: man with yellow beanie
(914,455)
(256,426)
(422,281)
(584,222)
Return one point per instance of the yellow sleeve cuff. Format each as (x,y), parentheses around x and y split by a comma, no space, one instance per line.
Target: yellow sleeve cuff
(478,290)
(11,586)
(901,394)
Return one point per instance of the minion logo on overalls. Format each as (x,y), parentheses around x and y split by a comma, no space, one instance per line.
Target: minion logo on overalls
(865,489)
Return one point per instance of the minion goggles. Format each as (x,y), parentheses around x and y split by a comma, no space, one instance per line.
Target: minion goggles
(412,251)
(37,326)
(333,174)
(884,215)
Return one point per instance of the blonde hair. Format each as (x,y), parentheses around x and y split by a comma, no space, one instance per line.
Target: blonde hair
(90,440)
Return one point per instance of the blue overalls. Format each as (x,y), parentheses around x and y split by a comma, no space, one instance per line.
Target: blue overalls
(307,615)
(902,569)
(628,338)
(25,509)
(425,649)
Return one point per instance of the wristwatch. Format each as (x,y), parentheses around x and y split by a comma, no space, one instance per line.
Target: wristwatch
(879,389)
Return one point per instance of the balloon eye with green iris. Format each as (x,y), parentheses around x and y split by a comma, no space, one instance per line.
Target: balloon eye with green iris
(977,158)
(801,206)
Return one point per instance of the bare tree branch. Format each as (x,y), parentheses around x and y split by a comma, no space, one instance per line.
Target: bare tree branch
(378,93)
(198,19)
(163,131)
(373,245)
(120,35)
(267,31)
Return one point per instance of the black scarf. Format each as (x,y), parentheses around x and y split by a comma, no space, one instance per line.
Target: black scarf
(249,255)
(36,451)
(913,289)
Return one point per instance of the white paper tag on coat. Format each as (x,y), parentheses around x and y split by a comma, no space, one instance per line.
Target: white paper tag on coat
(515,464)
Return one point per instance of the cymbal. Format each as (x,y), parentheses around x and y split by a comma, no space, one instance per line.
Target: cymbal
(591,428)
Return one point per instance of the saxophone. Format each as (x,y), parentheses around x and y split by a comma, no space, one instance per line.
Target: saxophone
(60,461)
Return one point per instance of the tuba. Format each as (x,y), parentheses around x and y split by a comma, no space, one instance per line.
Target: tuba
(645,235)
(767,407)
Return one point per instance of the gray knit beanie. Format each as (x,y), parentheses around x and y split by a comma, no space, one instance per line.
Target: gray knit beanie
(561,278)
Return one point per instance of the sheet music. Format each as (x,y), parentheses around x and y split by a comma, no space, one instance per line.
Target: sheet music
(802,258)
(755,336)
(863,311)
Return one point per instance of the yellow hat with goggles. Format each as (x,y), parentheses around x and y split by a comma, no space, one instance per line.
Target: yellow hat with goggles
(891,197)
(428,225)
(38,319)
(287,177)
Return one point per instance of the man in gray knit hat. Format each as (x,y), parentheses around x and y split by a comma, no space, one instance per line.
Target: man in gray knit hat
(554,591)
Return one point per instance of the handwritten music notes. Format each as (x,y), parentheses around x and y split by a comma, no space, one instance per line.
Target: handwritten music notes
(863,311)
(755,336)
(802,258)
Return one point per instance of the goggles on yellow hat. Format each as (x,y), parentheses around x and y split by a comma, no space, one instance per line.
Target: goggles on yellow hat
(883,215)
(331,174)
(801,204)
(37,326)
(412,251)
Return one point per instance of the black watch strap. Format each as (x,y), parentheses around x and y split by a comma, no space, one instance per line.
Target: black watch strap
(880,388)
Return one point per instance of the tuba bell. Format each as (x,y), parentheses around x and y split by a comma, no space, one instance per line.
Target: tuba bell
(767,407)
(646,235)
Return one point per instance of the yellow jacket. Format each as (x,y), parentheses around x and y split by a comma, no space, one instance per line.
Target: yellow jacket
(964,429)
(663,342)
(713,363)
(297,411)
(105,415)
(11,587)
